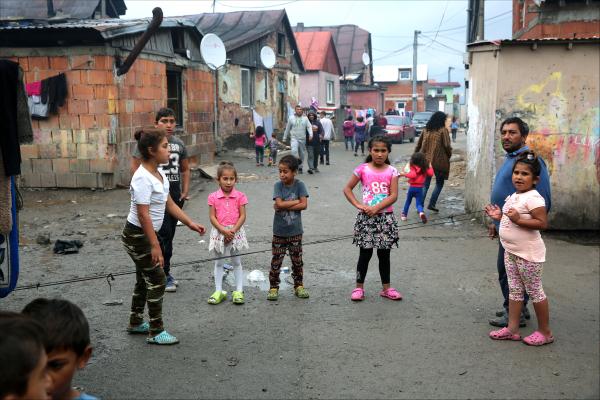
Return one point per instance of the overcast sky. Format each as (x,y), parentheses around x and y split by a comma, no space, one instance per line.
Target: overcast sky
(391,23)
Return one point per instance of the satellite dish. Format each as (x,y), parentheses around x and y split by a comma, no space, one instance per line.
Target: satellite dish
(366,59)
(267,57)
(213,51)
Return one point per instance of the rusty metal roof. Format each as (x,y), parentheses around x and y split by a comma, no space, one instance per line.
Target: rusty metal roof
(498,42)
(64,9)
(107,28)
(350,41)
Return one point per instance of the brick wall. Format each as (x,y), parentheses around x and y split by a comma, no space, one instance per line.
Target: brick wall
(89,143)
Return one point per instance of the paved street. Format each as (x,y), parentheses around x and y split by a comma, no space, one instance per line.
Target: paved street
(432,344)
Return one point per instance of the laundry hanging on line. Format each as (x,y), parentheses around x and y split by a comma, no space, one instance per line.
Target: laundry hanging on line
(47,95)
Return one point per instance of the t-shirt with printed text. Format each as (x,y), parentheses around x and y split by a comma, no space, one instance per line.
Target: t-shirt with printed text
(376,184)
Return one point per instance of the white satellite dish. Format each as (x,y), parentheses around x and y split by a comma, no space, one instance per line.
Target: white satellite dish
(267,57)
(366,59)
(213,51)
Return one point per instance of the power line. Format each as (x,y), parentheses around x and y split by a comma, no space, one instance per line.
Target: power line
(441,20)
(111,276)
(456,28)
(257,7)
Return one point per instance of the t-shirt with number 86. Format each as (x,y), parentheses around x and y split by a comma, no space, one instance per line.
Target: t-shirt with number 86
(375,184)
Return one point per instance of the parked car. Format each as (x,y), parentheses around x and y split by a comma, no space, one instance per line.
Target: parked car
(400,128)
(420,119)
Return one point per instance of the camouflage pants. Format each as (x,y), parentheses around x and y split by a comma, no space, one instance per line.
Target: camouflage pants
(150,279)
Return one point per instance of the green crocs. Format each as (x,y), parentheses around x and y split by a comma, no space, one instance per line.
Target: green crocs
(301,292)
(273,294)
(142,328)
(217,297)
(237,297)
(164,338)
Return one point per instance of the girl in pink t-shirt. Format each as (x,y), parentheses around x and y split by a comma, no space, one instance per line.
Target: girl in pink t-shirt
(260,139)
(376,226)
(521,219)
(227,238)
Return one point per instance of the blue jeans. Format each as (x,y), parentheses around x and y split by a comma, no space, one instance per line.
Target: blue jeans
(439,184)
(503,279)
(260,154)
(349,140)
(417,193)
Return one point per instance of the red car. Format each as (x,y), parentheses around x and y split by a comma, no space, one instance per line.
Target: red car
(399,129)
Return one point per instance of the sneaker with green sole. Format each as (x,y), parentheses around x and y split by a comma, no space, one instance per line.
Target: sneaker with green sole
(237,297)
(273,294)
(300,292)
(217,297)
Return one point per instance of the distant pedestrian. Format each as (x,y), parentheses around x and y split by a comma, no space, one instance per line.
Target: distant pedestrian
(298,126)
(290,197)
(521,218)
(274,149)
(375,226)
(149,200)
(434,142)
(454,128)
(348,128)
(227,211)
(260,139)
(314,142)
(177,170)
(328,136)
(360,136)
(382,121)
(418,173)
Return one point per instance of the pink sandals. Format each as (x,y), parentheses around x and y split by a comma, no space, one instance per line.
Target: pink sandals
(538,339)
(358,294)
(391,294)
(504,334)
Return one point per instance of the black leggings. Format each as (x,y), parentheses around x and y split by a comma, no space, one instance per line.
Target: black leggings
(362,147)
(363,264)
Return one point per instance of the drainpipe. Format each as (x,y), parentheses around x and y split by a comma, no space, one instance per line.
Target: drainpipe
(157,17)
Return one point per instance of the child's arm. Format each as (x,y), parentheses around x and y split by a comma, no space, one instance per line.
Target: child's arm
(281,204)
(185,179)
(302,204)
(350,194)
(176,212)
(538,221)
(430,170)
(143,211)
(241,219)
(212,214)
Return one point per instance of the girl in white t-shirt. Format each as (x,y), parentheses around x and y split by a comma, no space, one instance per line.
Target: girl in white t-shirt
(375,226)
(521,219)
(149,199)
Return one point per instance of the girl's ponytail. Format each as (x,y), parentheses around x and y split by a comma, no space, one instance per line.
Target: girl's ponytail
(147,138)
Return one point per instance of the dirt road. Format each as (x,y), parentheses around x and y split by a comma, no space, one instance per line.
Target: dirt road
(433,344)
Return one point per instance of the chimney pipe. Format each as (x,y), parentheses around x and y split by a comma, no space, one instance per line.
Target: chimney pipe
(50,5)
(300,27)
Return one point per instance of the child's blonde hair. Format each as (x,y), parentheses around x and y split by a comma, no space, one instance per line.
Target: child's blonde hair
(226,166)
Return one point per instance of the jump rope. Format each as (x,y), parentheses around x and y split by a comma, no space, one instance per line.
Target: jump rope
(111,276)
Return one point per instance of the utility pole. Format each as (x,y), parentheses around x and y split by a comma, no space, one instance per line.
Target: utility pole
(213,5)
(480,19)
(450,73)
(414,72)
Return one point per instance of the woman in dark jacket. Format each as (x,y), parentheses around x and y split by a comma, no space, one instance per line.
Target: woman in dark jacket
(434,142)
(314,144)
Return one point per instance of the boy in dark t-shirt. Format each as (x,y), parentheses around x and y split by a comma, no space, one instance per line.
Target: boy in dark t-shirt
(290,197)
(177,171)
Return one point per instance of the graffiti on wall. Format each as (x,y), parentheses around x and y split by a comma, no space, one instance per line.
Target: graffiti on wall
(564,121)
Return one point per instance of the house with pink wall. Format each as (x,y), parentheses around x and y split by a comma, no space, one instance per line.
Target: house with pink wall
(321,79)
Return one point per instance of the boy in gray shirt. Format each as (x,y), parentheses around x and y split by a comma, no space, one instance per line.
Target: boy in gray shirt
(291,197)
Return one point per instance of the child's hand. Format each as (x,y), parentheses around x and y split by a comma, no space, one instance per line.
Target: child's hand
(198,228)
(494,212)
(371,211)
(513,215)
(157,256)
(229,235)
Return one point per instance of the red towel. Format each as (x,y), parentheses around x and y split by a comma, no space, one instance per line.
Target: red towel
(34,88)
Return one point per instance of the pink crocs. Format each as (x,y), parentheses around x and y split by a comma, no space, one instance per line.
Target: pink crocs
(391,294)
(358,294)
